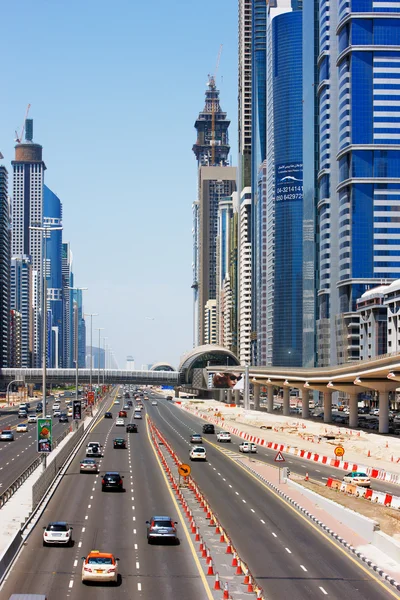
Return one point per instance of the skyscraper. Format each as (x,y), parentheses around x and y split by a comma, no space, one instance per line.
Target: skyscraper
(359,182)
(21,303)
(53,218)
(224,290)
(5,256)
(215,181)
(67,283)
(244,276)
(27,211)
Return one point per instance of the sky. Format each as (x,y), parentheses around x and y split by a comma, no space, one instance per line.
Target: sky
(114,90)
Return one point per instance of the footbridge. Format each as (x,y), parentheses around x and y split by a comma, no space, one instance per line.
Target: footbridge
(58,376)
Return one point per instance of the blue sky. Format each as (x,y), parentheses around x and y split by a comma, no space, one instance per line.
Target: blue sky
(114,90)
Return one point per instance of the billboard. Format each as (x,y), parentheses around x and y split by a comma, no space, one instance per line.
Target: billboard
(289,182)
(90,397)
(77,410)
(44,435)
(225,381)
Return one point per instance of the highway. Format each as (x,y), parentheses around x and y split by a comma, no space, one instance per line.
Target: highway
(288,555)
(16,456)
(110,522)
(298,465)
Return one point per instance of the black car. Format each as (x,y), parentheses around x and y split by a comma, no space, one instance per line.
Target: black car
(112,480)
(108,415)
(208,428)
(119,443)
(131,428)
(63,418)
(39,407)
(130,403)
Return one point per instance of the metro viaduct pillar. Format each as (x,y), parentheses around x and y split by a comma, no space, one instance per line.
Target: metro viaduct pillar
(351,390)
(383,387)
(327,399)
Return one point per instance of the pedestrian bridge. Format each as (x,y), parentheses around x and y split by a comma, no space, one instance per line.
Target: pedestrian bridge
(54,376)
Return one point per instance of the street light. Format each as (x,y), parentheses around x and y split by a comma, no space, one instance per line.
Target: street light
(44,230)
(91,315)
(105,357)
(76,325)
(99,354)
(8,388)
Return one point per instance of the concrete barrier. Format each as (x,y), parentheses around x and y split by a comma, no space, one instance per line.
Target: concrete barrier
(362,525)
(9,553)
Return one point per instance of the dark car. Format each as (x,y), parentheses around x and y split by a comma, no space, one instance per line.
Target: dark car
(169,398)
(208,428)
(130,403)
(119,443)
(63,418)
(127,395)
(39,407)
(196,438)
(162,528)
(108,415)
(122,414)
(112,480)
(131,428)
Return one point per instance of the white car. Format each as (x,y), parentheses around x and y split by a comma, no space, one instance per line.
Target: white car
(247,447)
(56,413)
(57,532)
(22,428)
(120,422)
(223,436)
(69,413)
(357,478)
(137,414)
(116,402)
(198,453)
(32,419)
(154,403)
(56,406)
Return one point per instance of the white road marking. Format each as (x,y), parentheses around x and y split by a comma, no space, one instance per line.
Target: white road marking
(75,563)
(263,522)
(134,531)
(274,534)
(303,567)
(229,485)
(323,591)
(324,478)
(244,501)
(287,550)
(223,479)
(137,565)
(139,587)
(134,518)
(252,510)
(80,545)
(83,529)
(91,497)
(86,518)
(237,493)
(135,546)
(71,583)
(89,506)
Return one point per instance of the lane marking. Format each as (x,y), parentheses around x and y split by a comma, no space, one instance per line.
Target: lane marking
(139,586)
(71,583)
(137,565)
(274,534)
(303,567)
(75,563)
(263,522)
(288,551)
(323,591)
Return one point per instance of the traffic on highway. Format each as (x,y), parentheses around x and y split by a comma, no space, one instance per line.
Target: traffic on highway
(113,528)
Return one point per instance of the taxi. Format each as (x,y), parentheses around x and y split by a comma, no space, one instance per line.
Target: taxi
(99,566)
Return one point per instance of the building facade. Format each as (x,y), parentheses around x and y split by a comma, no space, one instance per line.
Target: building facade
(210,322)
(27,212)
(392,303)
(21,302)
(67,327)
(373,323)
(53,240)
(244,277)
(5,258)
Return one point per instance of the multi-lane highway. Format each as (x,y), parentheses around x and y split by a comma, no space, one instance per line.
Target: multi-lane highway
(17,455)
(111,522)
(289,556)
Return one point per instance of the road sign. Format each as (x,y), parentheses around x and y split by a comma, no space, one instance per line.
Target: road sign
(279,457)
(339,451)
(77,410)
(184,470)
(44,435)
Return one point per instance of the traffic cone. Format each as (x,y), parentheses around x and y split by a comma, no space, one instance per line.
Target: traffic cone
(217,585)
(204,553)
(197,538)
(246,579)
(228,548)
(208,559)
(201,546)
(226,591)
(306,477)
(250,587)
(369,453)
(222,538)
(208,515)
(234,560)
(193,526)
(210,569)
(238,570)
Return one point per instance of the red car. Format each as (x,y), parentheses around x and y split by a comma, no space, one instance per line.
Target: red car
(122,413)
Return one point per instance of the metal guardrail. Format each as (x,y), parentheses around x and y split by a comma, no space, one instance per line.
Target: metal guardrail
(11,489)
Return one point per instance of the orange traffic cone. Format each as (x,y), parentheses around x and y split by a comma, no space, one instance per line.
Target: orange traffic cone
(306,477)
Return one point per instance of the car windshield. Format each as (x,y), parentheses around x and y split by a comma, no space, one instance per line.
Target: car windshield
(99,560)
(199,450)
(88,462)
(57,527)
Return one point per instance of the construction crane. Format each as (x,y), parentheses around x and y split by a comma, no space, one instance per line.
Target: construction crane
(19,138)
(213,79)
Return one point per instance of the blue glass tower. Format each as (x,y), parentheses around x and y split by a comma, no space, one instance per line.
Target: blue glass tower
(52,217)
(288,156)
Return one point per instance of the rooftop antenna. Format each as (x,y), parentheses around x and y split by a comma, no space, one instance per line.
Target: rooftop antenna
(19,137)
(212,83)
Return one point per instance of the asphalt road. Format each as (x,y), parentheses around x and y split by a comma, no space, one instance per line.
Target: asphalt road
(287,554)
(315,471)
(110,522)
(16,456)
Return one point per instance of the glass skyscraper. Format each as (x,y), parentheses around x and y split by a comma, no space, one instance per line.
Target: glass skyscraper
(288,160)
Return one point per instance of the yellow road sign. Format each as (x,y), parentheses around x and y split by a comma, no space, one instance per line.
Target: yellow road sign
(184,470)
(339,451)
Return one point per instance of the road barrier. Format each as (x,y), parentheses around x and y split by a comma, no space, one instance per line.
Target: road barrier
(239,567)
(362,492)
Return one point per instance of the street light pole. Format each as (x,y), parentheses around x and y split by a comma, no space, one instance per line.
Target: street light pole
(105,358)
(44,306)
(99,355)
(91,315)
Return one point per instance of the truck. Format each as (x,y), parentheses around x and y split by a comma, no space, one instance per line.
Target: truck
(94,449)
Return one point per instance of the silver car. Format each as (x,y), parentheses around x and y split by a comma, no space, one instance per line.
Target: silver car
(88,465)
(162,528)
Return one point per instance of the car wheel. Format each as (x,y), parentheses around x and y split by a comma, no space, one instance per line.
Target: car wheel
(149,541)
(44,543)
(103,489)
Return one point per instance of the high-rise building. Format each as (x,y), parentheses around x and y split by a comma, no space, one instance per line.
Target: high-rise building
(244,277)
(27,211)
(53,218)
(79,327)
(288,186)
(67,328)
(5,257)
(21,302)
(130,363)
(244,94)
(224,291)
(359,183)
(310,180)
(210,323)
(15,339)
(215,180)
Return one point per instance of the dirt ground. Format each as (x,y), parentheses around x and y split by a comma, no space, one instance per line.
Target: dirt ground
(388,518)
